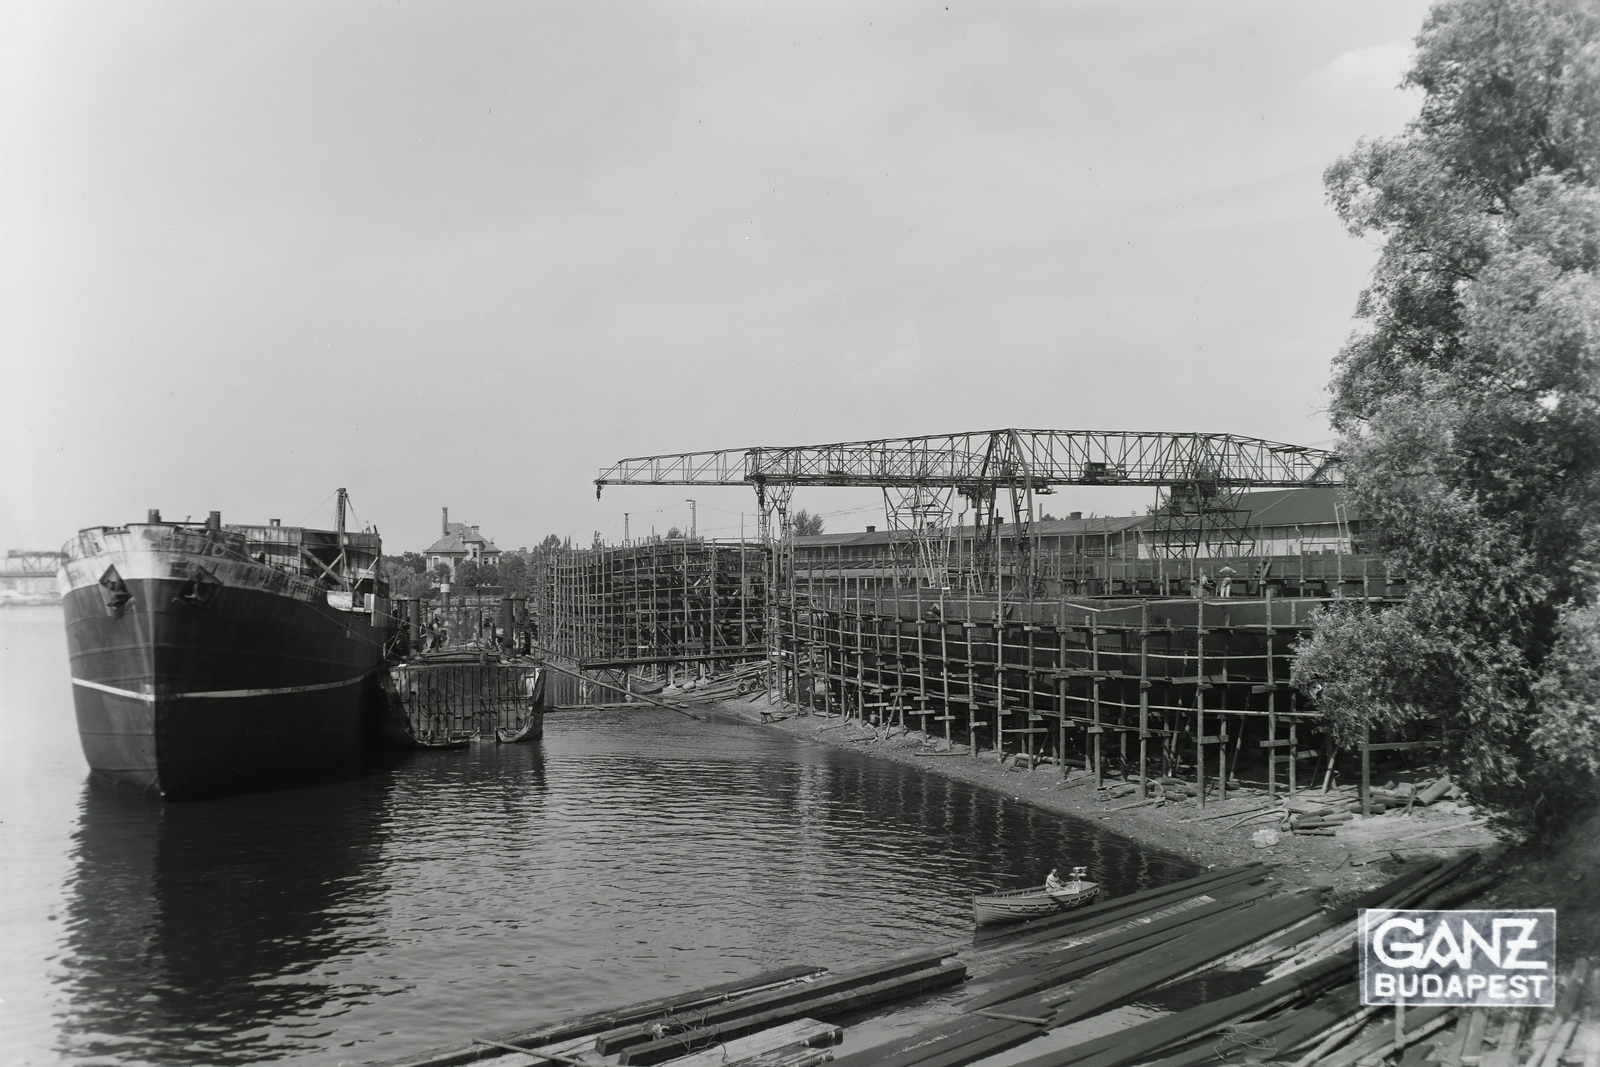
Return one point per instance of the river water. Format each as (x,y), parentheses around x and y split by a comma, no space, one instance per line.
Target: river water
(631,854)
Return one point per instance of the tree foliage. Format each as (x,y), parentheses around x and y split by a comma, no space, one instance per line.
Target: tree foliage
(471,574)
(806,524)
(1469,404)
(407,575)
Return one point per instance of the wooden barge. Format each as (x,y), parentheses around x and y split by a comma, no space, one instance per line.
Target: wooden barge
(452,698)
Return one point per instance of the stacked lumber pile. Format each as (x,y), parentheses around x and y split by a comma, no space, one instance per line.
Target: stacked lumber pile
(1105,961)
(773,1020)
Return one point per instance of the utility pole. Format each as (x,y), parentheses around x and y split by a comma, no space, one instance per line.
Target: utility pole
(692,511)
(624,527)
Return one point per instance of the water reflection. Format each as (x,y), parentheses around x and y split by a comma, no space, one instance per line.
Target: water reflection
(630,855)
(192,929)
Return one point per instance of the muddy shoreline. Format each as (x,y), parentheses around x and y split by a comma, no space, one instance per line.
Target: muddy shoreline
(1362,854)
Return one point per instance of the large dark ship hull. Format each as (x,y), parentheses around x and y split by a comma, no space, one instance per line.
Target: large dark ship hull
(242,678)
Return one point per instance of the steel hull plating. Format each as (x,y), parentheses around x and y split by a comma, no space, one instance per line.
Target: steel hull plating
(245,688)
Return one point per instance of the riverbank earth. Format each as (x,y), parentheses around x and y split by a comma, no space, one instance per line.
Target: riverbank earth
(1360,854)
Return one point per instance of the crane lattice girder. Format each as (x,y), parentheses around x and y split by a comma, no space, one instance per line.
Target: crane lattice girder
(997,457)
(31,563)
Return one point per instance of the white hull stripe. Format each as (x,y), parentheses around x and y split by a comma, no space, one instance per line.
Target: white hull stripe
(216,694)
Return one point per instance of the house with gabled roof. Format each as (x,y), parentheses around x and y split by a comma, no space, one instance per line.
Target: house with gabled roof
(460,542)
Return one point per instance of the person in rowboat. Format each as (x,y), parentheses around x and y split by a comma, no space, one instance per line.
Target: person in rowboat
(1052,884)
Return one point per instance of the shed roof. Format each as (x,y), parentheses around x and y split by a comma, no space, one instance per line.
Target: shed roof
(1267,507)
(1292,507)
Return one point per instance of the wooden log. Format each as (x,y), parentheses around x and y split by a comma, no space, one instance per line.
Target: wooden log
(839,1003)
(800,1032)
(610,1018)
(810,1057)
(1436,790)
(617,1039)
(1228,814)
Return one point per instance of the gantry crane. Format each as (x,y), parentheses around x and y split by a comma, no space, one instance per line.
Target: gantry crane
(1199,478)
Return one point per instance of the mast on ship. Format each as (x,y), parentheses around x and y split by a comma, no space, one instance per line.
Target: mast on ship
(341,564)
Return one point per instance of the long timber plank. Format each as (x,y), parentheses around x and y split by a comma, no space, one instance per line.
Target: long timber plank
(609,1018)
(1096,911)
(1114,912)
(836,1004)
(1072,963)
(616,1040)
(954,1045)
(799,1033)
(1286,1032)
(1373,898)
(1195,946)
(1117,932)
(1137,1043)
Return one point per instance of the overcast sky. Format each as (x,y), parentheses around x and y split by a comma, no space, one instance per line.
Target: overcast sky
(467,253)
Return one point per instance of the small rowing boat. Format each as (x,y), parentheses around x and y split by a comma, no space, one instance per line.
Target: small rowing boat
(1015,905)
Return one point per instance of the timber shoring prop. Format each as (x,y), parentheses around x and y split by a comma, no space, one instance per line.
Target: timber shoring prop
(642,698)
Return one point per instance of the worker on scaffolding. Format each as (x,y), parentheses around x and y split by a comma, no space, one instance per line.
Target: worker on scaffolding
(1225,581)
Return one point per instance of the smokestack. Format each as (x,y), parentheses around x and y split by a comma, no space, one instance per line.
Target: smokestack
(154,516)
(214,521)
(445,528)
